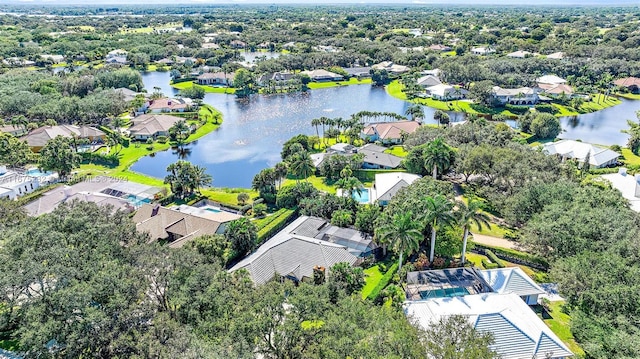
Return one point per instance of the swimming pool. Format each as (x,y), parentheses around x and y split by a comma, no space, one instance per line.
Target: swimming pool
(362,197)
(137,201)
(34,172)
(210,209)
(444,293)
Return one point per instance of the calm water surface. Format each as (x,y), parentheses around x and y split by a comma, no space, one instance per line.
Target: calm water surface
(254,130)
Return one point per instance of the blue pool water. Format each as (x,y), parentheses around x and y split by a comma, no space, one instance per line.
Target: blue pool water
(137,202)
(212,210)
(444,293)
(362,197)
(34,172)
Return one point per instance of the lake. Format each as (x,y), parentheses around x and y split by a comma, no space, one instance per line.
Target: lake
(254,130)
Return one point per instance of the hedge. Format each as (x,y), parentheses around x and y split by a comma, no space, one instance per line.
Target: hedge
(488,265)
(99,158)
(384,281)
(514,256)
(275,225)
(370,175)
(492,256)
(260,224)
(545,107)
(519,109)
(184,79)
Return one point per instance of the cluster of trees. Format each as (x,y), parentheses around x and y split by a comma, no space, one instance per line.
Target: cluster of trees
(117,296)
(186,178)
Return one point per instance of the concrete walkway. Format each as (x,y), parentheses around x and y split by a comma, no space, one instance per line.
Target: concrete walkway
(494,241)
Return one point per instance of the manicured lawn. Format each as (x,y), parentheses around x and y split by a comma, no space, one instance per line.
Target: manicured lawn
(537,275)
(629,96)
(372,278)
(351,81)
(494,230)
(317,182)
(395,89)
(629,158)
(397,151)
(207,89)
(598,102)
(560,324)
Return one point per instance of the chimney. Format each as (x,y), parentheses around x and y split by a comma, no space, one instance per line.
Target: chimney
(318,275)
(156,209)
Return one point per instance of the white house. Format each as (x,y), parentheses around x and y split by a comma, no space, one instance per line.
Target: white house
(444,92)
(519,96)
(569,149)
(321,75)
(520,54)
(513,280)
(517,331)
(628,185)
(550,79)
(386,185)
(481,51)
(14,185)
(428,81)
(391,68)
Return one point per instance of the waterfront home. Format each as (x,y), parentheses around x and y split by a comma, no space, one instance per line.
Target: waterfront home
(391,68)
(152,126)
(169,105)
(519,96)
(358,71)
(178,226)
(493,301)
(428,81)
(631,83)
(117,56)
(17,62)
(556,89)
(103,191)
(238,44)
(56,59)
(277,78)
(443,92)
(482,51)
(216,78)
(599,157)
(389,132)
(305,244)
(628,185)
(387,185)
(14,185)
(321,75)
(39,137)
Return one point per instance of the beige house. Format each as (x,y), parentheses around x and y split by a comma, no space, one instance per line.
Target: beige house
(152,126)
(216,78)
(39,137)
(389,132)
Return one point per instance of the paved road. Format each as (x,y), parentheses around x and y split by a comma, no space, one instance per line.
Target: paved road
(494,241)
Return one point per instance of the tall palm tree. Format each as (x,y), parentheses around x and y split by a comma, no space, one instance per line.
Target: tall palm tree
(438,214)
(199,178)
(415,111)
(301,165)
(280,170)
(469,214)
(315,123)
(437,156)
(402,233)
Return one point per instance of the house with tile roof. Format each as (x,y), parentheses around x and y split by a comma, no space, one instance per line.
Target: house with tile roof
(631,83)
(376,158)
(513,280)
(169,105)
(518,96)
(179,226)
(152,126)
(428,81)
(386,185)
(444,92)
(306,243)
(391,67)
(13,130)
(39,137)
(216,78)
(389,132)
(599,157)
(321,75)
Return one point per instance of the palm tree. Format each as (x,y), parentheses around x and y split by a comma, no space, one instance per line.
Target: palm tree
(280,170)
(415,111)
(437,156)
(199,178)
(402,233)
(179,130)
(469,214)
(301,165)
(437,216)
(117,123)
(315,123)
(441,117)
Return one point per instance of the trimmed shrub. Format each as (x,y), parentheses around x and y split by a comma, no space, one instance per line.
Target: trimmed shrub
(516,256)
(276,225)
(487,265)
(492,256)
(384,281)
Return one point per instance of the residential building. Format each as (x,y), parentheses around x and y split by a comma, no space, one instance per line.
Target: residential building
(342,148)
(517,331)
(237,44)
(428,81)
(493,301)
(39,137)
(152,126)
(305,244)
(435,72)
(391,68)
(442,92)
(556,89)
(387,185)
(117,56)
(327,48)
(14,185)
(358,71)
(104,191)
(180,225)
(556,56)
(519,96)
(631,83)
(169,105)
(550,80)
(599,157)
(440,47)
(277,78)
(14,130)
(376,158)
(482,51)
(210,45)
(216,78)
(56,59)
(17,62)
(321,75)
(128,95)
(628,185)
(389,132)
(520,54)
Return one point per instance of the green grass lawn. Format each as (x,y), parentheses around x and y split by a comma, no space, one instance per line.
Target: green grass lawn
(207,89)
(494,230)
(395,89)
(629,96)
(535,274)
(560,324)
(598,102)
(351,81)
(397,151)
(372,278)
(629,158)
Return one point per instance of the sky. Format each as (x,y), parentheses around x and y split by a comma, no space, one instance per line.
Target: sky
(319,2)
